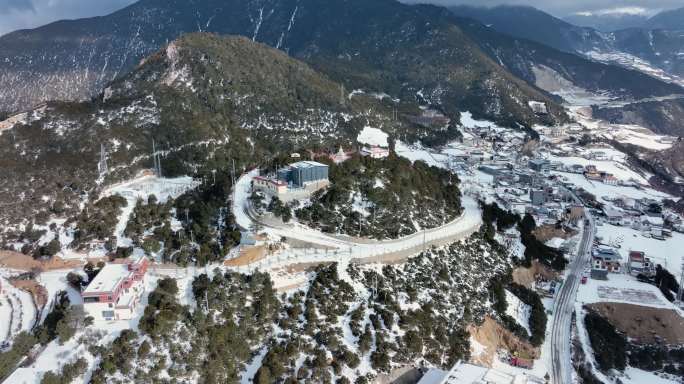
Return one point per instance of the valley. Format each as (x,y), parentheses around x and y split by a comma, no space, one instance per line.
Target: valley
(432,197)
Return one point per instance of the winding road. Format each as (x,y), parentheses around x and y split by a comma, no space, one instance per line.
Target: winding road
(464,225)
(564,306)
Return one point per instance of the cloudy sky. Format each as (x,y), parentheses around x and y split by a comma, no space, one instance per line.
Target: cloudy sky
(17,14)
(562,8)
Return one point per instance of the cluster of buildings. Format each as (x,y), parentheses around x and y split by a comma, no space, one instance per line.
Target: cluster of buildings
(527,188)
(645,215)
(504,143)
(560,131)
(606,260)
(115,293)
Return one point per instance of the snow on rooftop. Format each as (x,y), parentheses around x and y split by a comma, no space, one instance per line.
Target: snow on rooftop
(372,136)
(108,279)
(433,376)
(307,164)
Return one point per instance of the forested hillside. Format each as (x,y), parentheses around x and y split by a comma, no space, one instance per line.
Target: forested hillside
(383,199)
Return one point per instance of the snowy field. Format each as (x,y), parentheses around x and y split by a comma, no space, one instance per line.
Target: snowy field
(667,253)
(600,189)
(17,311)
(624,133)
(616,164)
(622,288)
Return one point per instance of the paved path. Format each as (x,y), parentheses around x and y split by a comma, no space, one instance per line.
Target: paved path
(565,302)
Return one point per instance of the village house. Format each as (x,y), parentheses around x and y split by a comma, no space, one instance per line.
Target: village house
(538,197)
(608,258)
(609,179)
(599,271)
(539,165)
(538,107)
(114,294)
(576,168)
(614,216)
(639,264)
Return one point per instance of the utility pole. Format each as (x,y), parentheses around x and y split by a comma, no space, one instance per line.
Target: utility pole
(154,156)
(680,293)
(156,160)
(424,238)
(102,165)
(232,174)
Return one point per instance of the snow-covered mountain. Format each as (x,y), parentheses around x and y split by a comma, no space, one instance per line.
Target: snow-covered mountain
(654,48)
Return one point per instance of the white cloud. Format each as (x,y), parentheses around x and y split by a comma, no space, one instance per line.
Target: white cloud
(620,11)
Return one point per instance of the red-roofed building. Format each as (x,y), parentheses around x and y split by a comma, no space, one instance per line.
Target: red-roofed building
(639,264)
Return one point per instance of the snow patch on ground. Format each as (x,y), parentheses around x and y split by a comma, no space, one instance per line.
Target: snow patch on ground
(142,188)
(372,136)
(518,310)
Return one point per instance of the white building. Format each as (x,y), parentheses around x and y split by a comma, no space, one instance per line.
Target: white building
(374,152)
(538,107)
(339,157)
(115,292)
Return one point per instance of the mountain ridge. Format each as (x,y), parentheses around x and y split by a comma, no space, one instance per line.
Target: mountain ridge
(356,49)
(645,50)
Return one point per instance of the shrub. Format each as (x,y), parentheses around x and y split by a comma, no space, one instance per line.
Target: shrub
(610,347)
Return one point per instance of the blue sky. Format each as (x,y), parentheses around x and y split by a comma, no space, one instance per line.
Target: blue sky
(18,14)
